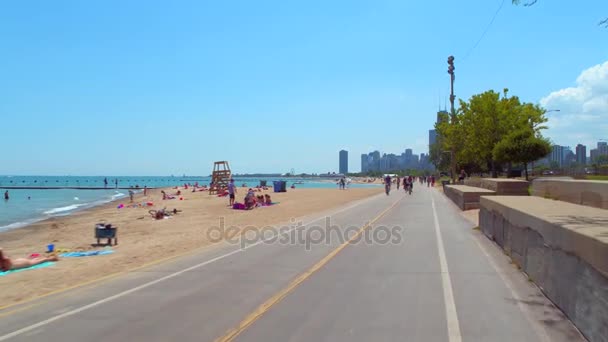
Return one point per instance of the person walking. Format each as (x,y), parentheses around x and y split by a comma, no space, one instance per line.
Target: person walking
(105,182)
(131,194)
(232,191)
(462,176)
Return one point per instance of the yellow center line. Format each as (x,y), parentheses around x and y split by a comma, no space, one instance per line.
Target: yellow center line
(279,296)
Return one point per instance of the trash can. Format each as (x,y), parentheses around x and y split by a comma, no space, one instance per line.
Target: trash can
(263,183)
(280,186)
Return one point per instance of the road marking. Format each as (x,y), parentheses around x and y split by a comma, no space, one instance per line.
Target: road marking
(173,275)
(448,296)
(279,296)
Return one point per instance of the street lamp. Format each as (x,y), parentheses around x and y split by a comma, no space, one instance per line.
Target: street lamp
(451,69)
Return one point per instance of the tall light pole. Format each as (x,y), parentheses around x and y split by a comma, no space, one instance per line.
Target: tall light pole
(452,114)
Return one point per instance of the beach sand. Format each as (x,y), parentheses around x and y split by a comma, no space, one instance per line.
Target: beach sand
(141,239)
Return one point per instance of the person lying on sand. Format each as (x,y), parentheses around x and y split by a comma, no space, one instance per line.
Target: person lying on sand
(267,200)
(7,264)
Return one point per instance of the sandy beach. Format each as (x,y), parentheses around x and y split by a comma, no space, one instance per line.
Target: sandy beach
(143,239)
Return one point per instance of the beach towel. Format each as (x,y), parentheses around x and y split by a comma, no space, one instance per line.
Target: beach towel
(86,254)
(43,265)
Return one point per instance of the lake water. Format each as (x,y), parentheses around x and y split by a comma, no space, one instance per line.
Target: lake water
(26,206)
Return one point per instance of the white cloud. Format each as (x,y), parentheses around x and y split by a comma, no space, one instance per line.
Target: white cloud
(583,115)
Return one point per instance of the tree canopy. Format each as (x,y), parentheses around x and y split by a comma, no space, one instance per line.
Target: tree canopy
(521,146)
(489,131)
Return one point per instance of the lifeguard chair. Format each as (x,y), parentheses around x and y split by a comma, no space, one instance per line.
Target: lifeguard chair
(220,177)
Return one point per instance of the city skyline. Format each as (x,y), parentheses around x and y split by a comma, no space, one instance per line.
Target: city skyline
(564,156)
(376,161)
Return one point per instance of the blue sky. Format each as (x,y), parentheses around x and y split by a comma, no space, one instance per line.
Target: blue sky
(153,88)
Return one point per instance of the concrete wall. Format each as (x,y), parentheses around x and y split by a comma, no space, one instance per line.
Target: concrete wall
(562,247)
(584,192)
(466,197)
(502,186)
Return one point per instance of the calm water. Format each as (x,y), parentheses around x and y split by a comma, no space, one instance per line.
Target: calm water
(27,206)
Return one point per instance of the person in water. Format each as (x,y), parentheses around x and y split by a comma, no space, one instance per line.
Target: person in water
(6,197)
(7,264)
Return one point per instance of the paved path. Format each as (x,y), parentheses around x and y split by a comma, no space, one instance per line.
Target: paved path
(437,280)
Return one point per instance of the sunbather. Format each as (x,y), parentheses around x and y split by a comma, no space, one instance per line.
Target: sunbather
(267,200)
(7,264)
(250,200)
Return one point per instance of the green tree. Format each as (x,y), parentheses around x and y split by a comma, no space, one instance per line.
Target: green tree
(532,2)
(522,146)
(480,124)
(438,157)
(484,121)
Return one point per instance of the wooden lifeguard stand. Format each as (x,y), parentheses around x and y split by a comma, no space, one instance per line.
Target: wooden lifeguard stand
(220,177)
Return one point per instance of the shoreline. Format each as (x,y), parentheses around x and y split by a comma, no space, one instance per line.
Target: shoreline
(143,239)
(62,212)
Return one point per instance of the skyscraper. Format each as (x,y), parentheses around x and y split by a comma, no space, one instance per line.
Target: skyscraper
(364,163)
(442,115)
(343,162)
(581,154)
(432,138)
(602,148)
(593,154)
(557,155)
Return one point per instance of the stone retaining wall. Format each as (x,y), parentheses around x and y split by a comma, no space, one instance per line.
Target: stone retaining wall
(584,192)
(466,197)
(562,247)
(502,186)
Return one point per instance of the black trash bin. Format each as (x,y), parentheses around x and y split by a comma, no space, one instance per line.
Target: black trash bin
(280,186)
(263,183)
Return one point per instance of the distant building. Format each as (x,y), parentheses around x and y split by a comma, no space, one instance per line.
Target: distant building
(602,148)
(581,154)
(374,162)
(569,158)
(557,155)
(364,163)
(432,138)
(442,115)
(593,154)
(343,162)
